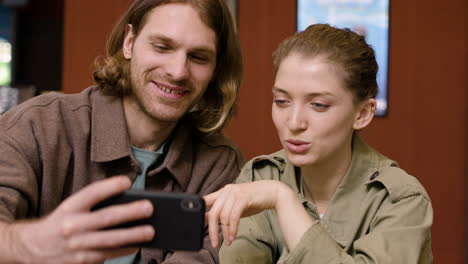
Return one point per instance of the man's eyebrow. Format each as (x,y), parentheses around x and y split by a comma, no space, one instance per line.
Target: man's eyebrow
(203,49)
(162,38)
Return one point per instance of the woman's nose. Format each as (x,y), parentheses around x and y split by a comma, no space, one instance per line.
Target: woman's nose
(297,120)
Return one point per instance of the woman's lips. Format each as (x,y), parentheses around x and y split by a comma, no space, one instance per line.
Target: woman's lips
(297,146)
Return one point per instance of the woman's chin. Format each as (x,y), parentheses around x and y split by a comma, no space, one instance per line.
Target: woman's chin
(300,160)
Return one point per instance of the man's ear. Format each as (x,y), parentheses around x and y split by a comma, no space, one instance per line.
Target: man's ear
(365,113)
(128,42)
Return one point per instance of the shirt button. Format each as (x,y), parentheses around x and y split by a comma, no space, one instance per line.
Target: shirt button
(374,175)
(152,261)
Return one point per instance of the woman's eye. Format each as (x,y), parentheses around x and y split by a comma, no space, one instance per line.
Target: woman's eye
(280,102)
(320,107)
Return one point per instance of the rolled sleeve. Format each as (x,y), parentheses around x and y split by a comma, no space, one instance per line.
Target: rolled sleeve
(316,245)
(254,244)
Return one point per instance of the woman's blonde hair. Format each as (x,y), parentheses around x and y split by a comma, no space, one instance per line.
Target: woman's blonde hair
(216,107)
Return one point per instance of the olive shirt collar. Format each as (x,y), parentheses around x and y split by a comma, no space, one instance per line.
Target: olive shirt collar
(365,163)
(110,140)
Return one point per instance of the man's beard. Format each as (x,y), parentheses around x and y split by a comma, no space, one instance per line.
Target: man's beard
(137,95)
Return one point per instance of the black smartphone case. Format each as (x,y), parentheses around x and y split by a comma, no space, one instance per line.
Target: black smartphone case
(178,218)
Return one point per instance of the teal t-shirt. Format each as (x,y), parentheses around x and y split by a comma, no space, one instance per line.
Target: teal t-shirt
(146,159)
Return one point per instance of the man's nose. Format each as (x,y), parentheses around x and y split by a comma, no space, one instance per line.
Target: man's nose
(177,66)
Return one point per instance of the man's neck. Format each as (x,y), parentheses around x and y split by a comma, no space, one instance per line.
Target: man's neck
(145,132)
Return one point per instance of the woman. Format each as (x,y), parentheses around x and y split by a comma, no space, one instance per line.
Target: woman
(326,197)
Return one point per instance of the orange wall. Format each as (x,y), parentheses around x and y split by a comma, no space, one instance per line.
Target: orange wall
(87,25)
(425,130)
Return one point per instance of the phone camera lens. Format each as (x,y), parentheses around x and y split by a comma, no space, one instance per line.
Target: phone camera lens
(190,205)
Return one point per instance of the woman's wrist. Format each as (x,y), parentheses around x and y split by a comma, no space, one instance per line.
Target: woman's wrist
(284,195)
(292,216)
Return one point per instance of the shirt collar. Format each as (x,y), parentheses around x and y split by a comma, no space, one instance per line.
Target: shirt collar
(110,140)
(352,189)
(109,135)
(179,158)
(351,192)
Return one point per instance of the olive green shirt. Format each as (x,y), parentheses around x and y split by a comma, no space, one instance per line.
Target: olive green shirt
(378,214)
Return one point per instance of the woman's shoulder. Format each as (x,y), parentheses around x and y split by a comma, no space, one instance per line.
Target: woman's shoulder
(378,170)
(398,183)
(264,167)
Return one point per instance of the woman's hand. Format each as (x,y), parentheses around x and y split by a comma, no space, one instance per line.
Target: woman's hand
(234,201)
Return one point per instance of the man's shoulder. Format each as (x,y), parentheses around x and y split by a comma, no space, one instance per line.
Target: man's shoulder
(217,140)
(219,143)
(48,105)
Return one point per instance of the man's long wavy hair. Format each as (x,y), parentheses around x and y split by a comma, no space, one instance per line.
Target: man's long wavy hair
(216,107)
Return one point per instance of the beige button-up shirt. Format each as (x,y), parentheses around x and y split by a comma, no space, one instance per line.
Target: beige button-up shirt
(378,214)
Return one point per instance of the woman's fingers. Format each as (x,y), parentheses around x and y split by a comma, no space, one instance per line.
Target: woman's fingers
(236,213)
(211,198)
(213,217)
(222,204)
(225,218)
(234,201)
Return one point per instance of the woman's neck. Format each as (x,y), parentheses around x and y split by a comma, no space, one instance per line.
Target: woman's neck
(321,180)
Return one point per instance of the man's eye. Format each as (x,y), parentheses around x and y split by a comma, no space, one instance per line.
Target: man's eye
(161,47)
(199,58)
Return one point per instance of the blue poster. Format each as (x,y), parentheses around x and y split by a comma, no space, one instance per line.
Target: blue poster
(368,18)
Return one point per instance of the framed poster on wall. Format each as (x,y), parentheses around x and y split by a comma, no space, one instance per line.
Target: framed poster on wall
(368,18)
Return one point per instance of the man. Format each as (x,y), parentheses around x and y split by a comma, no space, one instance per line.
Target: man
(164,91)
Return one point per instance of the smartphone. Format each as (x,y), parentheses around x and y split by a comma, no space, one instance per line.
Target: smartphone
(178,218)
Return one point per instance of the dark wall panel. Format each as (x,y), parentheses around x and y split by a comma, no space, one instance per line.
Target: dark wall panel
(37,44)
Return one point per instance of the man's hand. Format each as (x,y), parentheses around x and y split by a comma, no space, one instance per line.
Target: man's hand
(75,234)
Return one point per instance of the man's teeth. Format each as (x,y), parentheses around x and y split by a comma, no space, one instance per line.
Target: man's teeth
(167,90)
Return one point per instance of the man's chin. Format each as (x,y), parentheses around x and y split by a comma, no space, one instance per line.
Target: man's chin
(167,117)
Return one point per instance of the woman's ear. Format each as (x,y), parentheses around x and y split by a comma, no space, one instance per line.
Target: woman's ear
(128,42)
(365,113)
